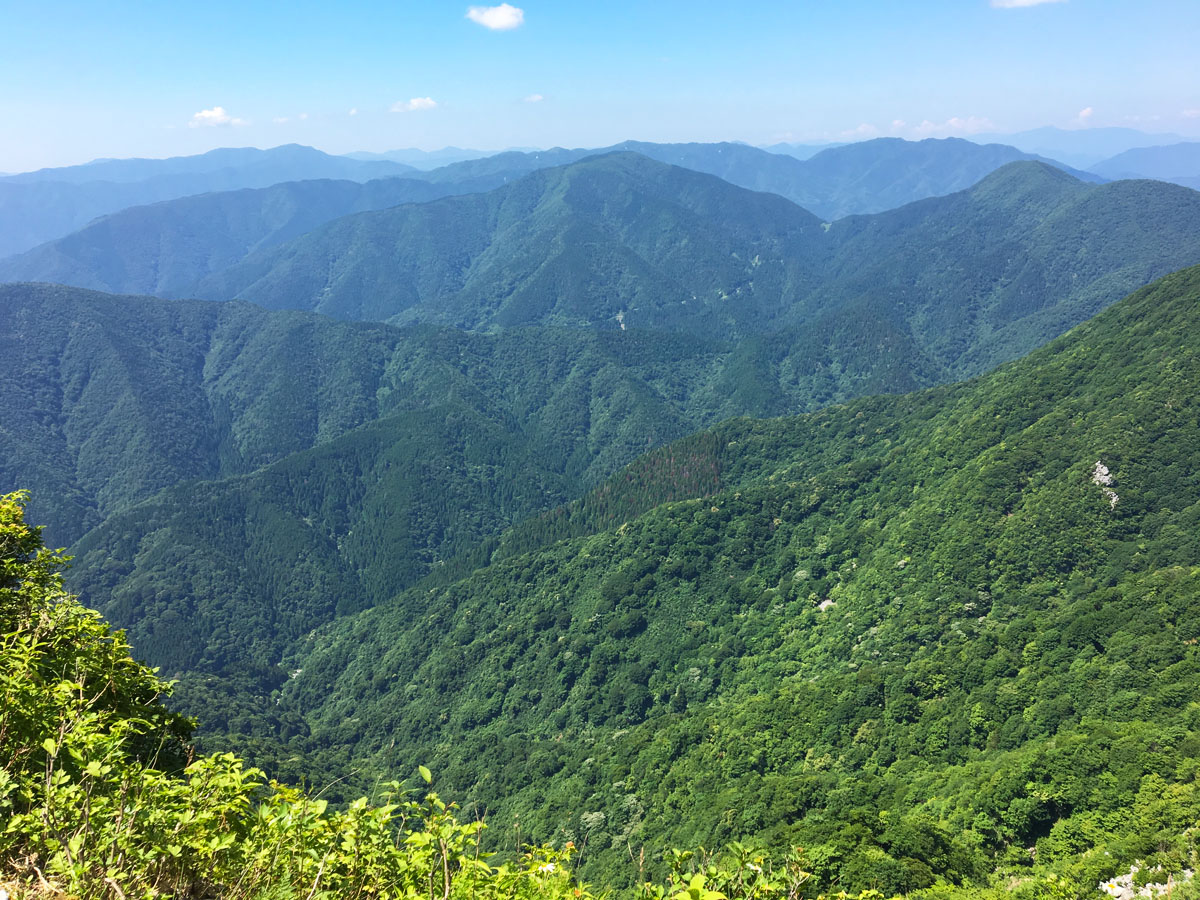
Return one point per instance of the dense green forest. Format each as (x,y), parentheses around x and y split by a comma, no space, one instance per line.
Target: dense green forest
(935,636)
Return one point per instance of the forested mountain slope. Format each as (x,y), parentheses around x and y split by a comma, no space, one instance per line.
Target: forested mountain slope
(974,278)
(580,245)
(113,398)
(479,432)
(914,635)
(387,451)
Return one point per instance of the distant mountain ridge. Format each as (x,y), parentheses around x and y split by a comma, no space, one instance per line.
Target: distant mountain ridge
(39,206)
(1179,163)
(870,176)
(622,241)
(867,177)
(1082,147)
(287,162)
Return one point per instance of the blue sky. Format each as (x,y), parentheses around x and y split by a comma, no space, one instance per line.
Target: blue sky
(80,80)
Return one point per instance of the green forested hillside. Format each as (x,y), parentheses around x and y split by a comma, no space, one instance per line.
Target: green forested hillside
(388,451)
(111,399)
(123,398)
(928,636)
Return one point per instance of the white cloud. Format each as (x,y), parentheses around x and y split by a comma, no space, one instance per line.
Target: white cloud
(353,112)
(1018,4)
(954,125)
(1191,113)
(215,116)
(534,98)
(497,18)
(279,120)
(864,130)
(1084,118)
(416,104)
(302,116)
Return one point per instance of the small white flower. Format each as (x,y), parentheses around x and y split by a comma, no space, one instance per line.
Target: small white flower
(547,868)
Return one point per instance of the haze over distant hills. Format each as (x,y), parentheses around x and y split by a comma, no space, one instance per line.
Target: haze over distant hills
(870,176)
(1082,147)
(427,159)
(288,162)
(43,205)
(1179,163)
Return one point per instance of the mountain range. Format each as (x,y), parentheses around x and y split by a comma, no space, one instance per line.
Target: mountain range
(44,205)
(645,506)
(620,241)
(1082,147)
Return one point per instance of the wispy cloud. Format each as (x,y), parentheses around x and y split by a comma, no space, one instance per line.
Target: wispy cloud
(213,117)
(1084,118)
(302,116)
(865,130)
(1191,113)
(497,18)
(416,104)
(353,112)
(954,125)
(1019,4)
(279,120)
(534,98)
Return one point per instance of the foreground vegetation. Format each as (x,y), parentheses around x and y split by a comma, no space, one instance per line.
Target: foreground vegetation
(101,795)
